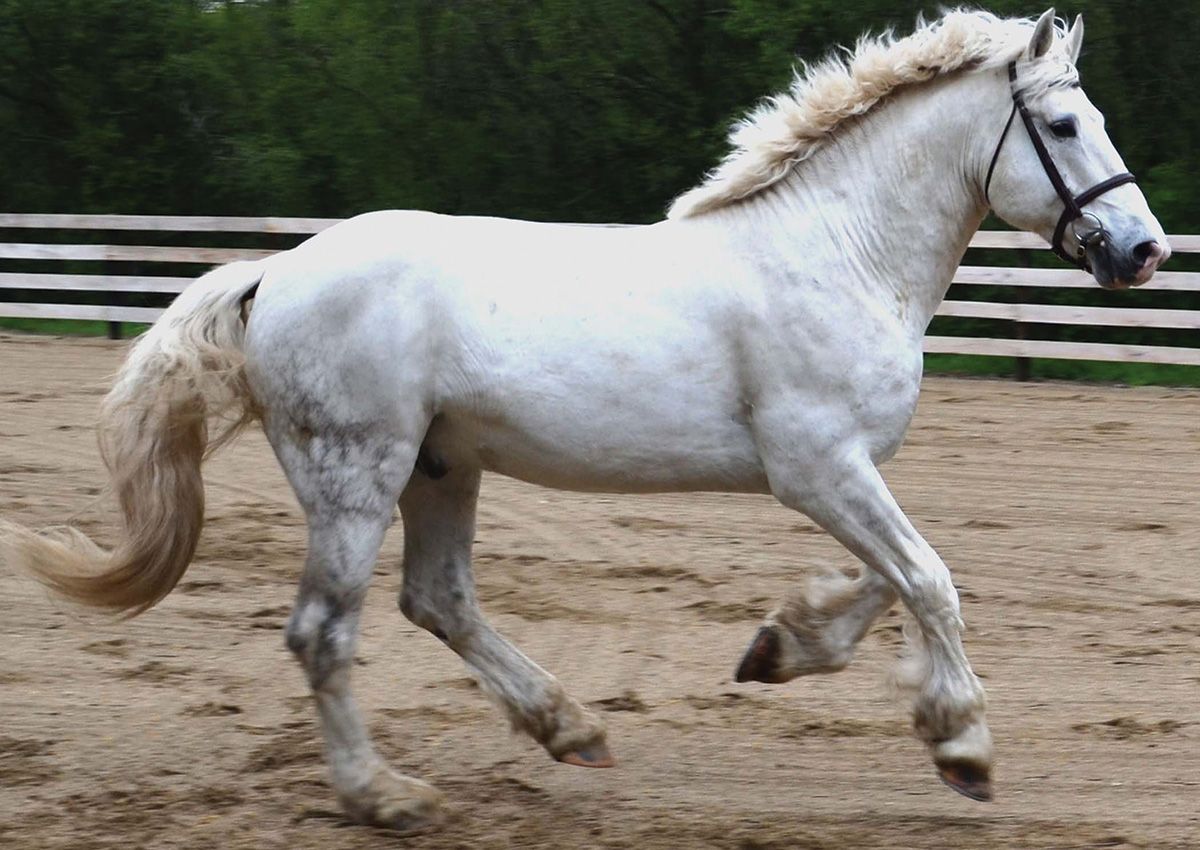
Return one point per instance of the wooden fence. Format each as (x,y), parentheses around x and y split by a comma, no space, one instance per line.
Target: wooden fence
(118,280)
(1023,315)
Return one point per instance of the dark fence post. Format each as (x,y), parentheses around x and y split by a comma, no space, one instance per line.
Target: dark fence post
(1020,329)
(113,268)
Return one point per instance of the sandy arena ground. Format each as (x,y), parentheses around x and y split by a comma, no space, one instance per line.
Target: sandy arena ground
(1067,514)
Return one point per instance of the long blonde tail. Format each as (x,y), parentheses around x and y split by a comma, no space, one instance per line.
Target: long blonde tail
(183,375)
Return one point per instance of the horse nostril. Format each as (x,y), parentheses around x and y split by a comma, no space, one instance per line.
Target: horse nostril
(1147,252)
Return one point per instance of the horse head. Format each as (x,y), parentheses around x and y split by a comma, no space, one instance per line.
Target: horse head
(1055,171)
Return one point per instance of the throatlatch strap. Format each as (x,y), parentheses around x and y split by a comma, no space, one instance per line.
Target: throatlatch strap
(987,184)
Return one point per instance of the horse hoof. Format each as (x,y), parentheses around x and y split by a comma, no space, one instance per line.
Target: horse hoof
(761,661)
(596,755)
(393,801)
(967,779)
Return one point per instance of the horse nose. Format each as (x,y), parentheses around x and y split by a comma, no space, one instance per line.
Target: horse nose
(1150,253)
(1148,256)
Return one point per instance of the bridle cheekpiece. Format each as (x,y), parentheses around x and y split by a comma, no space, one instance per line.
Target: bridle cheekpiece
(1095,233)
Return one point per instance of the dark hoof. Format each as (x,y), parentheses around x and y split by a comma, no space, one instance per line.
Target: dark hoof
(967,779)
(596,755)
(761,661)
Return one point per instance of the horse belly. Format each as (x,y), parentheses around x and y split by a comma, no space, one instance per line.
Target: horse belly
(585,444)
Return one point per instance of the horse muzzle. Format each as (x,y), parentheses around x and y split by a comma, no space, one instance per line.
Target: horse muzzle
(1117,269)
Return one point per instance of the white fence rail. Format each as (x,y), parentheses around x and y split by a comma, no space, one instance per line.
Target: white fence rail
(1021,314)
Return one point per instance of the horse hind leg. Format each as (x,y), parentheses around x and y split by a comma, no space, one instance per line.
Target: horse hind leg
(347,485)
(817,631)
(438,595)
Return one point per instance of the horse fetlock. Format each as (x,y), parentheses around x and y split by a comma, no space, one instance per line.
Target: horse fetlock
(812,646)
(973,743)
(953,725)
(816,657)
(392,801)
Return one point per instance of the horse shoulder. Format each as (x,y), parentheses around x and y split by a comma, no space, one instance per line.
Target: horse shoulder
(831,372)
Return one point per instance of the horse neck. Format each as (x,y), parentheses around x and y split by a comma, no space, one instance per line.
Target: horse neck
(891,203)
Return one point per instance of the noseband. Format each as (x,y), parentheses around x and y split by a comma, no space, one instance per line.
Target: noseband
(1095,234)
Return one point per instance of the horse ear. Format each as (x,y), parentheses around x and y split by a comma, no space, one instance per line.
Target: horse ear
(1075,39)
(1043,36)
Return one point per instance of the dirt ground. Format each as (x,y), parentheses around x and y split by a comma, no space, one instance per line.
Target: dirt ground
(1066,513)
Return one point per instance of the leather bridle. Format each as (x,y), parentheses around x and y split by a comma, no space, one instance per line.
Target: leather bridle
(1095,234)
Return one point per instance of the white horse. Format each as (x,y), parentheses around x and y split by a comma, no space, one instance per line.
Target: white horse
(766,337)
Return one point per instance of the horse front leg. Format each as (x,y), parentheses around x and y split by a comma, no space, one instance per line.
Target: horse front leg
(438,594)
(851,501)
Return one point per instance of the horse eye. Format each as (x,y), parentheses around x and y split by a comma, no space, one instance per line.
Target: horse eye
(1063,128)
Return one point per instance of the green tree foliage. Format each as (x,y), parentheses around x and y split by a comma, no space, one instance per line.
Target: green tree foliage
(560,109)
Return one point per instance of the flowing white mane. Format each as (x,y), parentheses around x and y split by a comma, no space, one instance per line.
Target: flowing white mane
(789,128)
